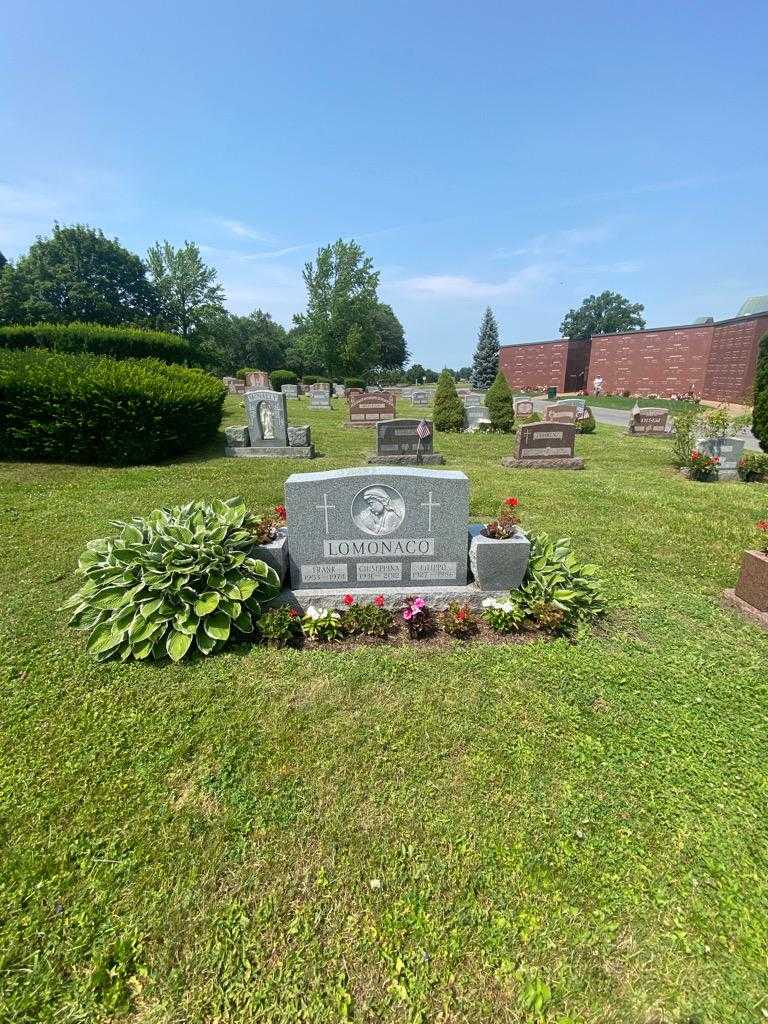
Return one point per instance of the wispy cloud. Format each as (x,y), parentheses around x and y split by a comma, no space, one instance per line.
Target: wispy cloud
(560,243)
(241,230)
(237,256)
(451,286)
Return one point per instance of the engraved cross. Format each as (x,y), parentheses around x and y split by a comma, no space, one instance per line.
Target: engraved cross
(429,505)
(325,507)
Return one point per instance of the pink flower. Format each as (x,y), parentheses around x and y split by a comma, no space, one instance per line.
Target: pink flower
(379,600)
(418,603)
(407,614)
(348,600)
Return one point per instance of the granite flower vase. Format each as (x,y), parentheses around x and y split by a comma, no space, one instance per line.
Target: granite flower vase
(275,554)
(498,564)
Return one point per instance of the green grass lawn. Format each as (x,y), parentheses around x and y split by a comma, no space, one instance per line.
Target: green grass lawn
(545,832)
(617,402)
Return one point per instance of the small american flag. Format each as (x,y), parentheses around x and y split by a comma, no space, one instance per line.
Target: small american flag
(423,430)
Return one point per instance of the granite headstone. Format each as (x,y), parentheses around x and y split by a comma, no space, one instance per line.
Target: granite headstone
(367,409)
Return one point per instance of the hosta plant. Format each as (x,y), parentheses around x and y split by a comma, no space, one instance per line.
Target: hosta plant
(557,582)
(181,579)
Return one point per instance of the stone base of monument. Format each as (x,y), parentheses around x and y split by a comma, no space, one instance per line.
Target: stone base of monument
(430,459)
(732,600)
(437,597)
(497,565)
(753,580)
(510,462)
(273,452)
(650,433)
(371,423)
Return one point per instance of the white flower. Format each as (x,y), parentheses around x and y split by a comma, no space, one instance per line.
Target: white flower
(507,606)
(312,613)
(490,602)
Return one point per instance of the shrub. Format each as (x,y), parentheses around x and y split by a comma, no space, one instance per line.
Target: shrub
(84,408)
(459,621)
(117,342)
(180,576)
(243,372)
(555,581)
(683,438)
(312,379)
(504,616)
(354,382)
(279,377)
(760,411)
(279,627)
(418,618)
(753,467)
(720,423)
(368,619)
(324,625)
(534,417)
(448,410)
(702,466)
(500,404)
(587,424)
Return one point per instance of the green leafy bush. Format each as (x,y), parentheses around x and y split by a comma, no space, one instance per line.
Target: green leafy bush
(587,424)
(279,627)
(180,576)
(448,410)
(752,467)
(84,408)
(368,619)
(683,437)
(500,403)
(459,621)
(279,377)
(117,342)
(760,410)
(702,466)
(557,582)
(310,378)
(354,382)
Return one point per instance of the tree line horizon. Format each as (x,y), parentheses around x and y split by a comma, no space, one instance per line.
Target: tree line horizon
(79,274)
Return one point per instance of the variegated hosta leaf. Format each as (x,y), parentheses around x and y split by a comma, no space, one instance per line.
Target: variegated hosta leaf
(174,582)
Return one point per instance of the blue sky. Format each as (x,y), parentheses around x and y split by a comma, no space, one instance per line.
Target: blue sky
(508,154)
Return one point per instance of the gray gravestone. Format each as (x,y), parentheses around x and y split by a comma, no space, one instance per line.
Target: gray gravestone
(545,446)
(400,442)
(650,422)
(580,403)
(420,398)
(523,407)
(474,415)
(320,396)
(290,390)
(473,398)
(728,449)
(379,527)
(267,418)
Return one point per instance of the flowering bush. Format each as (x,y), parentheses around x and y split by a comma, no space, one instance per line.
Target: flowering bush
(702,466)
(506,522)
(267,526)
(418,617)
(367,619)
(504,616)
(279,627)
(325,625)
(458,620)
(753,467)
(762,533)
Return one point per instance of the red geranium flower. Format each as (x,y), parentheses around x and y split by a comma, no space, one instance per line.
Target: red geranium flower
(512,502)
(694,455)
(348,600)
(379,600)
(293,613)
(461,614)
(280,511)
(763,525)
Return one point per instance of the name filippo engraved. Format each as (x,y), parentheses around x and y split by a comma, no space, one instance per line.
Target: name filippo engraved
(379,547)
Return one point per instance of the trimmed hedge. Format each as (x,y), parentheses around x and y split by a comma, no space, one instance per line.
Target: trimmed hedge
(354,382)
(279,377)
(760,410)
(91,409)
(117,342)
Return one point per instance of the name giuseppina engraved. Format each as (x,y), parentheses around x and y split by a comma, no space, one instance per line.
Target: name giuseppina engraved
(379,546)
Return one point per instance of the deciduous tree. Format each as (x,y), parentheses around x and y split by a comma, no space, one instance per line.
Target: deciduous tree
(188,297)
(606,313)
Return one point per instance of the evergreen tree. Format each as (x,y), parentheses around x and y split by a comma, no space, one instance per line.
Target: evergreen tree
(760,411)
(3,261)
(485,362)
(448,413)
(500,404)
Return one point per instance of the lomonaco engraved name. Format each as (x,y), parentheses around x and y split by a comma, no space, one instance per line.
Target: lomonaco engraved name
(365,547)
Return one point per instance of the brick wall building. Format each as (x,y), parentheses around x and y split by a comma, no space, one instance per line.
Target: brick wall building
(717,360)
